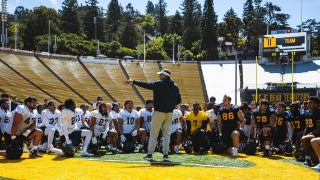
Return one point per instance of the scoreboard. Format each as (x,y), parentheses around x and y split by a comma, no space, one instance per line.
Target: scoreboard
(284,44)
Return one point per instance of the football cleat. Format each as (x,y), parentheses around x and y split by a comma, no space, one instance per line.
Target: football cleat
(317,167)
(307,162)
(34,153)
(85,153)
(49,149)
(234,152)
(148,157)
(141,150)
(267,153)
(166,158)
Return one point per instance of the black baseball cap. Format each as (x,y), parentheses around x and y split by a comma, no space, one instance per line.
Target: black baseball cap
(99,98)
(212,97)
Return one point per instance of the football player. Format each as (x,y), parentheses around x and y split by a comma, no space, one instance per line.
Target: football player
(129,125)
(245,109)
(176,130)
(23,126)
(81,123)
(100,127)
(40,108)
(145,116)
(197,122)
(296,124)
(264,120)
(51,125)
(5,116)
(229,131)
(312,120)
(282,119)
(115,113)
(86,113)
(70,130)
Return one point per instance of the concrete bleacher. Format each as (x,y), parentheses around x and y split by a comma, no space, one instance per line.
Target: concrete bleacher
(135,71)
(60,68)
(13,84)
(187,77)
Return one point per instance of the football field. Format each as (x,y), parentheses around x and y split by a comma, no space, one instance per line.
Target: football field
(105,167)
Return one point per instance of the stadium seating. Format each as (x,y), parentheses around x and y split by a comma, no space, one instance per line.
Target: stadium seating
(111,78)
(74,75)
(135,71)
(13,84)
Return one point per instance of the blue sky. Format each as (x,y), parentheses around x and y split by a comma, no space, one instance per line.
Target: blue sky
(291,7)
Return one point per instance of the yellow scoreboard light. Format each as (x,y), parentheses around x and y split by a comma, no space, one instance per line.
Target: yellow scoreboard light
(269,42)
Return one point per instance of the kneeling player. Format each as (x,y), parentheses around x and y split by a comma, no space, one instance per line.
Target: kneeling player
(129,125)
(297,124)
(229,132)
(71,132)
(176,130)
(51,125)
(197,122)
(5,116)
(22,126)
(264,120)
(100,127)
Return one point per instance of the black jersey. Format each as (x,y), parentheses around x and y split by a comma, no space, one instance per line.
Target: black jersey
(229,118)
(297,121)
(247,117)
(311,119)
(281,122)
(262,118)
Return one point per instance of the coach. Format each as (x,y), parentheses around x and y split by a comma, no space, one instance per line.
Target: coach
(166,96)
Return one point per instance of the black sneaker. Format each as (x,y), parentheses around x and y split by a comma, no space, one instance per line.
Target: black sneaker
(148,157)
(166,158)
(201,151)
(307,162)
(34,153)
(267,153)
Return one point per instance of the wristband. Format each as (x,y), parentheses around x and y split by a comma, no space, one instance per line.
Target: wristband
(13,137)
(220,134)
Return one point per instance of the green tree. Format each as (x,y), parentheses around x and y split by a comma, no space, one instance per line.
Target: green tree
(247,17)
(209,31)
(36,23)
(191,31)
(161,16)
(176,24)
(113,18)
(20,12)
(129,37)
(233,25)
(150,9)
(90,16)
(70,22)
(148,24)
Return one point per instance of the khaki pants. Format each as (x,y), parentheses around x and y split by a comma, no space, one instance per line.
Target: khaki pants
(164,120)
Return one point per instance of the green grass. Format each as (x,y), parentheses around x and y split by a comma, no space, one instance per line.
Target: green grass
(185,159)
(4,178)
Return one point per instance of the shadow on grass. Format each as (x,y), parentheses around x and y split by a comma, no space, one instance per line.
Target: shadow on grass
(13,161)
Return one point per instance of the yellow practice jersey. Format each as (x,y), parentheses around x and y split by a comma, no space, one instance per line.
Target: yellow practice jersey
(196,121)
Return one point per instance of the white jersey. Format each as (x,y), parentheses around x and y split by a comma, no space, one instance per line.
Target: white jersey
(69,122)
(79,114)
(87,116)
(147,115)
(101,124)
(212,116)
(175,120)
(38,120)
(27,119)
(51,120)
(4,119)
(129,120)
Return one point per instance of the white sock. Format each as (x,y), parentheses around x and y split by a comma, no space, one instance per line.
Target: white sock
(177,147)
(58,151)
(34,148)
(267,147)
(50,136)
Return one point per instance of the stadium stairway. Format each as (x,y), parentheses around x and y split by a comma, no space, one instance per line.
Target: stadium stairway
(14,84)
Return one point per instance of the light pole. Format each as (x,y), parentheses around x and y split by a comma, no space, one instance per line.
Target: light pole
(15,33)
(95,27)
(236,78)
(301,16)
(55,47)
(49,40)
(144,46)
(178,54)
(4,19)
(173,50)
(220,54)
